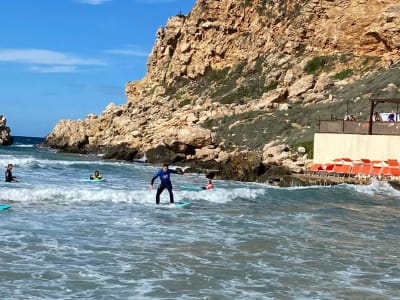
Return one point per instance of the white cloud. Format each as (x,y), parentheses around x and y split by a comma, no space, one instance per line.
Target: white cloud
(53,69)
(93,2)
(128,52)
(43,59)
(155,1)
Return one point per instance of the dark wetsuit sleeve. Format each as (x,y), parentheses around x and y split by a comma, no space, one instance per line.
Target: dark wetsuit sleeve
(154,178)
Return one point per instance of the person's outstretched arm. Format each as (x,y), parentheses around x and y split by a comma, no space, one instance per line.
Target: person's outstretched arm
(152,181)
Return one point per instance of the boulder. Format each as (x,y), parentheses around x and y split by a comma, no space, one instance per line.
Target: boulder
(301,86)
(275,175)
(121,152)
(243,166)
(196,137)
(69,136)
(162,154)
(5,136)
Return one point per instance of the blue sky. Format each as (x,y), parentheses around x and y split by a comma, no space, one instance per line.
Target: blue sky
(64,59)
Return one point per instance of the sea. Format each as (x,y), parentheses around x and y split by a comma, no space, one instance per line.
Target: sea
(67,238)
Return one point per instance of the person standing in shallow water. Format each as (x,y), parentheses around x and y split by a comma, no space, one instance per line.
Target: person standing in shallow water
(165,179)
(8,174)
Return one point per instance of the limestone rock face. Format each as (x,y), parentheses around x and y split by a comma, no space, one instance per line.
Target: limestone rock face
(68,135)
(5,136)
(166,112)
(217,34)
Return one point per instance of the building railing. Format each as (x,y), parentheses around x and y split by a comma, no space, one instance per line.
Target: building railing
(356,127)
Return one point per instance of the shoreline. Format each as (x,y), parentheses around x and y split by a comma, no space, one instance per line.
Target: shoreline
(329,180)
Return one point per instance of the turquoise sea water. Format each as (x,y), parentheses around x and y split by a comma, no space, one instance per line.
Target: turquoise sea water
(65,238)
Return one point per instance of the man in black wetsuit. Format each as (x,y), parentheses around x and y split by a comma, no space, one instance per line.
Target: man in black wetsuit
(164,175)
(9,175)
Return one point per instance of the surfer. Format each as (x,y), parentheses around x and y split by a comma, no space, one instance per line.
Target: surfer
(96,175)
(9,175)
(164,175)
(209,185)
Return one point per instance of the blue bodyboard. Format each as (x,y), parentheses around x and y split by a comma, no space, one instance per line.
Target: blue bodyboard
(94,180)
(183,204)
(4,206)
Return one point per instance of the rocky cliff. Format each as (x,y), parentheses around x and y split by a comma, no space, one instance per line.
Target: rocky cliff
(5,137)
(242,83)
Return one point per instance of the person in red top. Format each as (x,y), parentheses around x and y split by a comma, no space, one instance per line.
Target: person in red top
(209,185)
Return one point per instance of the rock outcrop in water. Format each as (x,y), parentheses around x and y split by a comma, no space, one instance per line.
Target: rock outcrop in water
(5,136)
(239,84)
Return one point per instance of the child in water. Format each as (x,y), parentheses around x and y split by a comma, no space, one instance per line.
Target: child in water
(9,176)
(96,175)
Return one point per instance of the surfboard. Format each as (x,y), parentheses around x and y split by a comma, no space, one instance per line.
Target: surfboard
(93,180)
(4,206)
(183,204)
(191,188)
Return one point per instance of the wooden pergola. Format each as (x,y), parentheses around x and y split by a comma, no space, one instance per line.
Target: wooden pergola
(375,102)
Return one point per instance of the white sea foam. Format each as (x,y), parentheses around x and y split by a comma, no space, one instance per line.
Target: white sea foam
(222,195)
(20,160)
(29,161)
(377,188)
(72,195)
(24,146)
(23,192)
(64,238)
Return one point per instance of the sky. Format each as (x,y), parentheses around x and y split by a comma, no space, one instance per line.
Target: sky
(65,59)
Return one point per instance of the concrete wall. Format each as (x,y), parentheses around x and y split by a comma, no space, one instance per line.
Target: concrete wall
(328,146)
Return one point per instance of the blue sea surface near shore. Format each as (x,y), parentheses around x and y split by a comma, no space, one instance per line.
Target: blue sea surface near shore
(65,238)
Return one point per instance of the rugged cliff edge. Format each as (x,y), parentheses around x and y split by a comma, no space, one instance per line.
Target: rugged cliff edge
(5,136)
(237,87)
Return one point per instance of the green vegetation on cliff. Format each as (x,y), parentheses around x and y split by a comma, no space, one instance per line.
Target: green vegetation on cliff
(296,126)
